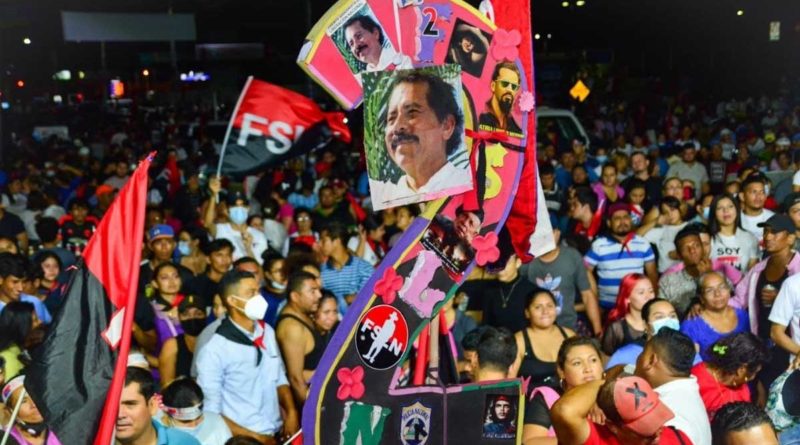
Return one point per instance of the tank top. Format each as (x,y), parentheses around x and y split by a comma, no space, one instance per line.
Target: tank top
(312,358)
(183,361)
(539,371)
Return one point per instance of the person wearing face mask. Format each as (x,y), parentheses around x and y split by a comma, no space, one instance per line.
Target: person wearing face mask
(274,289)
(182,405)
(247,241)
(241,370)
(659,314)
(175,359)
(192,242)
(29,427)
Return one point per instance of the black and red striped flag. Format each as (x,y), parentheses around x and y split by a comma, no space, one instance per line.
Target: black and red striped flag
(77,374)
(271,124)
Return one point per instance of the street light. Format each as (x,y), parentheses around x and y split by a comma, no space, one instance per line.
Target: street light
(26,41)
(537,36)
(565,4)
(580,3)
(145,72)
(740,12)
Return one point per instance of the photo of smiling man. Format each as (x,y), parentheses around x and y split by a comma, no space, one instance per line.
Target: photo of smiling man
(505,87)
(414,134)
(363,42)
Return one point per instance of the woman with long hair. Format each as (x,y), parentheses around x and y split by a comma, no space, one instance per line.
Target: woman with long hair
(17,321)
(729,241)
(369,244)
(192,242)
(608,188)
(539,342)
(625,323)
(732,363)
(579,361)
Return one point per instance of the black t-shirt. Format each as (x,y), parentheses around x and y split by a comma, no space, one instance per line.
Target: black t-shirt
(763,312)
(503,304)
(144,316)
(203,287)
(75,236)
(11,226)
(341,214)
(652,187)
(537,412)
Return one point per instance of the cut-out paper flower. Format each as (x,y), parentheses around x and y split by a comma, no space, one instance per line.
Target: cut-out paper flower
(486,250)
(504,44)
(351,383)
(526,101)
(388,285)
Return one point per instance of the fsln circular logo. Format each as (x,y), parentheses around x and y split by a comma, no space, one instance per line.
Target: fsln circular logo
(382,337)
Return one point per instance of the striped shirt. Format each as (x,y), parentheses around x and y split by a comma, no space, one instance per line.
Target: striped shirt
(613,262)
(346,281)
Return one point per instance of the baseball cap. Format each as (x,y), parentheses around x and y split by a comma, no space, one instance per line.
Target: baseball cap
(789,394)
(103,189)
(191,301)
(791,200)
(236,196)
(11,386)
(779,223)
(784,141)
(634,404)
(617,207)
(769,137)
(160,231)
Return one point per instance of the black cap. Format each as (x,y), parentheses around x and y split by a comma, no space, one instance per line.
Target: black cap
(779,223)
(791,200)
(235,196)
(790,395)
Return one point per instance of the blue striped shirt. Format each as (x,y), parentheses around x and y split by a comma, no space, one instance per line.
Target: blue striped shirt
(613,262)
(347,280)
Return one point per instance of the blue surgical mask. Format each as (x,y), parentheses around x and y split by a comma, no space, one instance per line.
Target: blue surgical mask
(238,214)
(601,158)
(706,213)
(184,248)
(669,322)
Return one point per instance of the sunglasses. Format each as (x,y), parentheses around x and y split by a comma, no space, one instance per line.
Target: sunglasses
(507,84)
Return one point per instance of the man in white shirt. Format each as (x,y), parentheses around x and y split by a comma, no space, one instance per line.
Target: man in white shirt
(423,127)
(247,241)
(753,196)
(666,364)
(368,45)
(786,312)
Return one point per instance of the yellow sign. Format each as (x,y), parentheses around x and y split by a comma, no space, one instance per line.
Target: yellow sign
(580,91)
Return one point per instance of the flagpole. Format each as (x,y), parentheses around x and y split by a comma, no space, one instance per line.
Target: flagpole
(230,124)
(14,414)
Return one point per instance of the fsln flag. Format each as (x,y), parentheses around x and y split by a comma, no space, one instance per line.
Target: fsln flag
(271,124)
(77,374)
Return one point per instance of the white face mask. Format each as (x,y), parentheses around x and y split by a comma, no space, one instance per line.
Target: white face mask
(277,286)
(669,322)
(255,308)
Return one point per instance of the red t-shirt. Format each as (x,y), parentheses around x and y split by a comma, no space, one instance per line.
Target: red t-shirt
(600,435)
(714,394)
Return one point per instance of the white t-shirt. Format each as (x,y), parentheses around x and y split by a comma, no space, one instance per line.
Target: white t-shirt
(449,180)
(736,250)
(664,239)
(750,223)
(225,230)
(682,396)
(786,309)
(212,431)
(369,254)
(796,179)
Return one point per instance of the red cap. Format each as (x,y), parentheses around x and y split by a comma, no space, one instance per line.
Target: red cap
(639,406)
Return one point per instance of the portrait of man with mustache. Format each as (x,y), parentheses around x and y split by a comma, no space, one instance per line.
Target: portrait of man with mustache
(505,86)
(367,43)
(423,126)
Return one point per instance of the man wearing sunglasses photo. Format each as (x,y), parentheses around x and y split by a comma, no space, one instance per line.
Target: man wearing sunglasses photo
(505,86)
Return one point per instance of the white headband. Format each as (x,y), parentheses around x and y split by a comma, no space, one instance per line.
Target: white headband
(185,414)
(12,385)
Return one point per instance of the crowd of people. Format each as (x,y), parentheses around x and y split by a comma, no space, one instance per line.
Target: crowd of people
(667,311)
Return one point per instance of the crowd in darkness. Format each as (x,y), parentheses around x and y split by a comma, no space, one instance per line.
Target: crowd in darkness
(674,277)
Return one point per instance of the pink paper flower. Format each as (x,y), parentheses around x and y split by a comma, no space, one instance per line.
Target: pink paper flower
(388,285)
(526,101)
(486,250)
(350,383)
(504,44)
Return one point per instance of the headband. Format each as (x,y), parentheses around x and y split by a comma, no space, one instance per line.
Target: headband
(186,414)
(12,385)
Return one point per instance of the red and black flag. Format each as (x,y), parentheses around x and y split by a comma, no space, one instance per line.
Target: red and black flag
(77,374)
(271,124)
